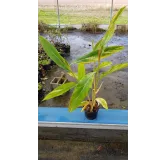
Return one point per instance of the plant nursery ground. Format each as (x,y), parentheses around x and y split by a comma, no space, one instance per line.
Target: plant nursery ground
(74,150)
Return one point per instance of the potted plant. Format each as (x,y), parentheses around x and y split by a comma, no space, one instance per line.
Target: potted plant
(40,91)
(41,71)
(58,40)
(39,76)
(86,84)
(46,64)
(91,27)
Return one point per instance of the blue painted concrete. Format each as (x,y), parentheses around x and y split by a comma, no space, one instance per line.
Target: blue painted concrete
(59,114)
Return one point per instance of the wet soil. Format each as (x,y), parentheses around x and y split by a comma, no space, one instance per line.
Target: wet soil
(115,86)
(74,150)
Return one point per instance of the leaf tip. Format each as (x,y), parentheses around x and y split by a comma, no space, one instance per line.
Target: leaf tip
(70,109)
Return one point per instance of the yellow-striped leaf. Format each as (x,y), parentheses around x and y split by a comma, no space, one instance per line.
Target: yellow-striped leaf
(81,91)
(114,69)
(54,54)
(93,56)
(85,105)
(109,33)
(81,71)
(102,102)
(102,65)
(60,90)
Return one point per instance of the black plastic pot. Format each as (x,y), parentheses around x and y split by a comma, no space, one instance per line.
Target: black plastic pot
(64,49)
(47,67)
(91,115)
(52,63)
(67,49)
(39,77)
(40,95)
(40,74)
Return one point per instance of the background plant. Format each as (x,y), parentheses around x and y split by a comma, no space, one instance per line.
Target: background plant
(86,83)
(40,86)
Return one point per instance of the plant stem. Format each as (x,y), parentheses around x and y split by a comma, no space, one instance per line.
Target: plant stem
(91,105)
(96,81)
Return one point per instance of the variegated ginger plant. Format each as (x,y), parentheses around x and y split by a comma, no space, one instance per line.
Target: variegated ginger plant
(90,81)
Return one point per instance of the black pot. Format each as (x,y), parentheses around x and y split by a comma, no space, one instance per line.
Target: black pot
(67,49)
(47,67)
(91,115)
(39,77)
(40,95)
(52,63)
(40,74)
(64,54)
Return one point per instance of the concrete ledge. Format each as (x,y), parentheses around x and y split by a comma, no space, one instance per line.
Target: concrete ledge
(82,134)
(82,125)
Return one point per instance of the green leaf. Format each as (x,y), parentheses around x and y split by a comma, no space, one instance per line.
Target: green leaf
(109,33)
(81,91)
(102,65)
(87,58)
(114,69)
(113,49)
(81,71)
(85,105)
(75,74)
(54,54)
(93,44)
(93,56)
(102,102)
(60,90)
(116,16)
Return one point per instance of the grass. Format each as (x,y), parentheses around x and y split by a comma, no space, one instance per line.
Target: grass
(68,16)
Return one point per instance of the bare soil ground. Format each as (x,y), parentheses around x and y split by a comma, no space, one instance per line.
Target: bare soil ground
(74,150)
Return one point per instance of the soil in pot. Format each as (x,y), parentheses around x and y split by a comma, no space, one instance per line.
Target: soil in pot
(92,115)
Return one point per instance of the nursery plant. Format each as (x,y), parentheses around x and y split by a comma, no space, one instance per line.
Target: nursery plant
(44,62)
(87,85)
(92,27)
(40,92)
(39,86)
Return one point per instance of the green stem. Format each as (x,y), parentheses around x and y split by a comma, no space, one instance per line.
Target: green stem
(96,81)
